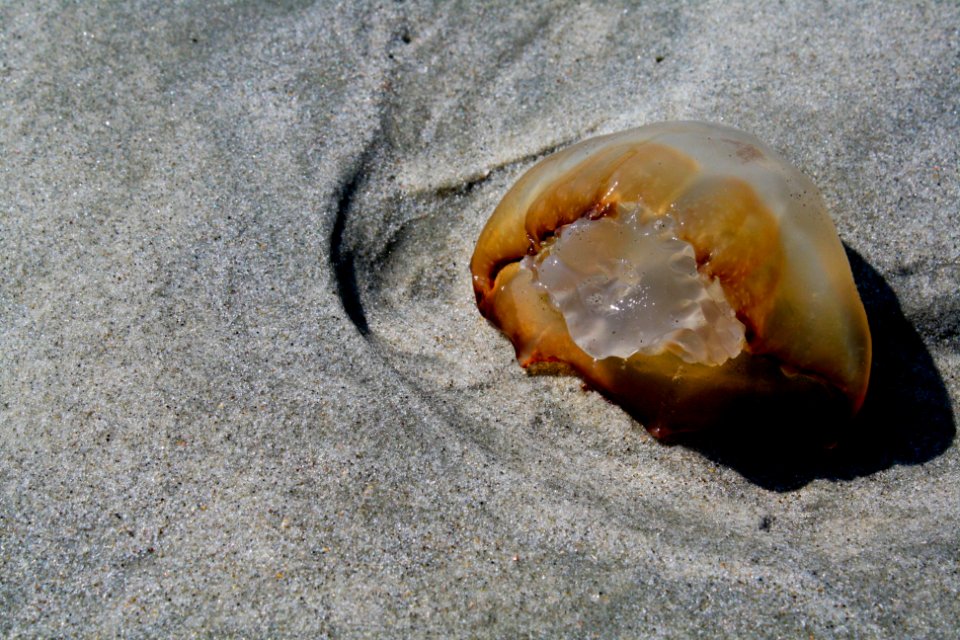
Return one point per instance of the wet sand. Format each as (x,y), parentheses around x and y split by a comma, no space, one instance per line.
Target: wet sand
(245,391)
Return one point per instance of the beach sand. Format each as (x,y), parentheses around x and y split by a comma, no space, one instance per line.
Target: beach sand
(245,390)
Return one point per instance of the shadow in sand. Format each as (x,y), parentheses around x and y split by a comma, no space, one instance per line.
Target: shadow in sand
(906,418)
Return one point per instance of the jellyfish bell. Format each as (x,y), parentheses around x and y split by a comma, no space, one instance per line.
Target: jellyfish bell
(683,269)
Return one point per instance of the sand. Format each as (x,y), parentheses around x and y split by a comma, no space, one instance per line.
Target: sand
(245,391)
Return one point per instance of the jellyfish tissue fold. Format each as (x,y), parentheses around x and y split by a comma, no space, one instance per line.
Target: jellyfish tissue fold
(686,271)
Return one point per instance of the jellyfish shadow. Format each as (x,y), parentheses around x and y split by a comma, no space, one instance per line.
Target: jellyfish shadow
(906,418)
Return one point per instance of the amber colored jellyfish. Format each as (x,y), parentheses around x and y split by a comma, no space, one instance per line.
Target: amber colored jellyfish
(683,269)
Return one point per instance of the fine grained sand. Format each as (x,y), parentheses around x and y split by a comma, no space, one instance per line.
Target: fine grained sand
(244,389)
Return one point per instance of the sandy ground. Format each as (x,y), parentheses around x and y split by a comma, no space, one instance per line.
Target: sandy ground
(244,389)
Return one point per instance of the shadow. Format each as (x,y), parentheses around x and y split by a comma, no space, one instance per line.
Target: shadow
(341,257)
(906,418)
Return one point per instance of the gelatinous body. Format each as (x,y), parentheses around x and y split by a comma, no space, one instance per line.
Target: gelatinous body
(685,270)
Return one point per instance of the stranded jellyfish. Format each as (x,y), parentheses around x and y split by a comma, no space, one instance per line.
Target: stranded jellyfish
(686,271)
